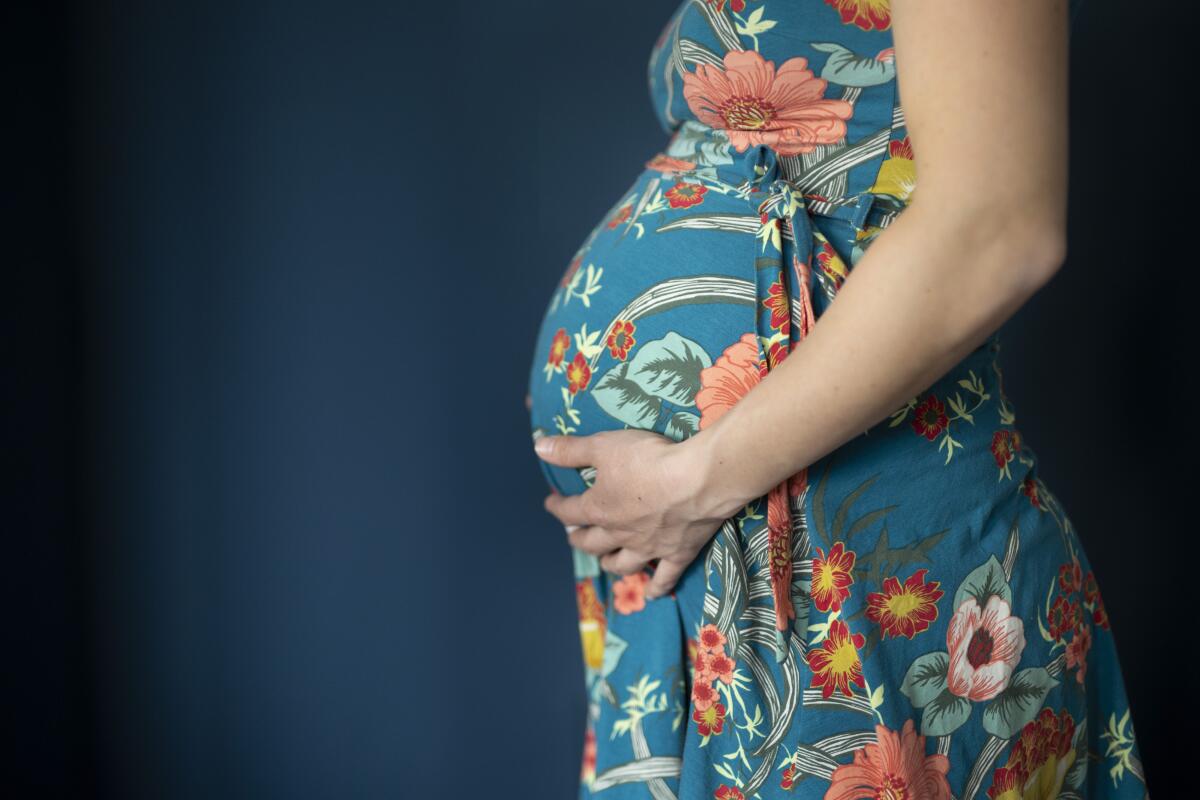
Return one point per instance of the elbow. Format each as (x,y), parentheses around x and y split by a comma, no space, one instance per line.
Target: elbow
(1025,243)
(1038,253)
(1026,247)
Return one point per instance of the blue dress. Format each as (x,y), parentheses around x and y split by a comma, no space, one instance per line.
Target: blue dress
(912,616)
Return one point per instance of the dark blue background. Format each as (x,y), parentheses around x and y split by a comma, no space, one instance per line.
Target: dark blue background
(275,529)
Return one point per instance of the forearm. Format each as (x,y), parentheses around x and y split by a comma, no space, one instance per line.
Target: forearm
(930,289)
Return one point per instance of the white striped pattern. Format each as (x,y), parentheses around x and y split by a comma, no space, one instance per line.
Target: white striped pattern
(983,765)
(642,770)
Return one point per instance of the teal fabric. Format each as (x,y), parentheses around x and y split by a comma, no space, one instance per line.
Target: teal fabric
(914,615)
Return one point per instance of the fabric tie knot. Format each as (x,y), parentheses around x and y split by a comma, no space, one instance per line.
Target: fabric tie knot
(787,228)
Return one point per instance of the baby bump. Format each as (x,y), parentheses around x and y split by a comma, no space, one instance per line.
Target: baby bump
(652,324)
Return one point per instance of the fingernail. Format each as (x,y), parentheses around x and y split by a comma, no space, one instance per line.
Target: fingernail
(571,528)
(542,446)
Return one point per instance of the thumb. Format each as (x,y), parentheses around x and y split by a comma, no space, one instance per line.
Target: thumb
(566,451)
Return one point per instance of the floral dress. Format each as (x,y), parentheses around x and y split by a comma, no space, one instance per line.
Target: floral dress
(912,616)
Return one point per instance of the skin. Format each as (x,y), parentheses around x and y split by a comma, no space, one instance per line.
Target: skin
(984,88)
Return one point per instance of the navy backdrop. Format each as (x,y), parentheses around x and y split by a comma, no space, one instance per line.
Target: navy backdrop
(276,525)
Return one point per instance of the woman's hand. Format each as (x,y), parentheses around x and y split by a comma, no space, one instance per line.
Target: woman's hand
(650,500)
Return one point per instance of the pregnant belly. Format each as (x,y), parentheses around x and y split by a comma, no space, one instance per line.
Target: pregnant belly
(653,324)
(684,295)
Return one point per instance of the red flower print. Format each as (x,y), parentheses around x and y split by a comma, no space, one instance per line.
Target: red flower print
(830,263)
(1007,783)
(1004,445)
(831,577)
(724,792)
(894,767)
(685,195)
(711,640)
(746,96)
(629,593)
(929,418)
(1070,577)
(904,610)
(578,374)
(622,214)
(1077,651)
(710,719)
(620,339)
(789,777)
(985,645)
(720,667)
(559,346)
(704,695)
(870,15)
(1091,596)
(665,163)
(776,353)
(1063,616)
(836,664)
(900,148)
(780,306)
(1039,759)
(1030,490)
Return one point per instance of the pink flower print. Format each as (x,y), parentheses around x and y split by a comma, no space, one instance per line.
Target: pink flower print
(985,645)
(785,109)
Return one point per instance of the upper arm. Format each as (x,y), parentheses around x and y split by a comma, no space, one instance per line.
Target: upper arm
(984,91)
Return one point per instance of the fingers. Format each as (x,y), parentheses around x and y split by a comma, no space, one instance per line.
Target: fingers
(568,451)
(623,562)
(576,509)
(568,508)
(592,539)
(666,575)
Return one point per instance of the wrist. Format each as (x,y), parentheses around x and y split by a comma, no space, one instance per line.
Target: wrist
(709,479)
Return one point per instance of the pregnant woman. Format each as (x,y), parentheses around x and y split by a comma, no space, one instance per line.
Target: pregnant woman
(814,556)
